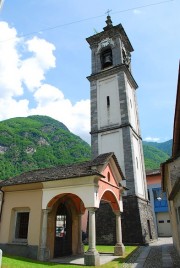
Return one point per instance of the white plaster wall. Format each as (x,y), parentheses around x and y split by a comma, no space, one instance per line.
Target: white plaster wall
(86,192)
(139,178)
(112,141)
(132,105)
(108,115)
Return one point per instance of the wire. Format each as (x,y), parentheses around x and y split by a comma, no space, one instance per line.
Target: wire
(82,20)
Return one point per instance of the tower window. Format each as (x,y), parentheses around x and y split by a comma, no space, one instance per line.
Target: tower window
(108,101)
(106,58)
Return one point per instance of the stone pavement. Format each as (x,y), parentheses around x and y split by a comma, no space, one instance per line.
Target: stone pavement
(79,260)
(160,254)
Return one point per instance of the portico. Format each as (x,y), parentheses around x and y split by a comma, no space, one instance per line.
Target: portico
(65,195)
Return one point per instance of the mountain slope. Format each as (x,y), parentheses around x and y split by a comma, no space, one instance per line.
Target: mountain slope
(153,156)
(40,141)
(37,142)
(166,146)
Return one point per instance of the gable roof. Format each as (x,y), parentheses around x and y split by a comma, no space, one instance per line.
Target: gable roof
(88,168)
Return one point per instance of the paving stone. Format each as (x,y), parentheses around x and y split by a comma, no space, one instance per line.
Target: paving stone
(160,254)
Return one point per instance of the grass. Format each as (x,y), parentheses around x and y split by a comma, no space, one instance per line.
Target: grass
(20,262)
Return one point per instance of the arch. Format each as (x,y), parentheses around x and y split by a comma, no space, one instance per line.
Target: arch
(64,225)
(109,197)
(106,57)
(78,203)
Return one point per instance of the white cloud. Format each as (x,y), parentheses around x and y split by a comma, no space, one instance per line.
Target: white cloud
(152,139)
(51,101)
(34,68)
(10,82)
(23,67)
(47,94)
(11,108)
(43,52)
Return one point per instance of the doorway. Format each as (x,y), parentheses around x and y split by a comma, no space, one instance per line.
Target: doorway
(63,231)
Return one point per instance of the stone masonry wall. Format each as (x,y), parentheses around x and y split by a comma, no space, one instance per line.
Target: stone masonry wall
(134,221)
(105,225)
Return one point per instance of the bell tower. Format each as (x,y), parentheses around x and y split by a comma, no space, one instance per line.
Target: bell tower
(115,124)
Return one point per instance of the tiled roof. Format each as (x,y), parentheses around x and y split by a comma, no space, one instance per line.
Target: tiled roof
(88,168)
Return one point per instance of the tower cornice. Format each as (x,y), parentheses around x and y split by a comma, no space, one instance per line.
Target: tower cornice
(114,70)
(111,128)
(117,30)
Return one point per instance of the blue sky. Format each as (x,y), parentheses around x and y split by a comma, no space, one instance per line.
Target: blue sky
(45,59)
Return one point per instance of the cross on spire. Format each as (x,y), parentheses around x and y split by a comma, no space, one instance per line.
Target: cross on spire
(108,21)
(108,11)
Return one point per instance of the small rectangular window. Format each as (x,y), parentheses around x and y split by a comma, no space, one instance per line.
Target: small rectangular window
(22,221)
(161,221)
(108,101)
(168,221)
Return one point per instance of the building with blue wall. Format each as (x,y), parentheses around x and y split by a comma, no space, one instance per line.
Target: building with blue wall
(159,203)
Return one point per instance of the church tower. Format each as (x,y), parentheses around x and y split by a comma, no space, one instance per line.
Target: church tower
(115,124)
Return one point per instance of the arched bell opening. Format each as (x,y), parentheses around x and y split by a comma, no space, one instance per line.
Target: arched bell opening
(64,225)
(106,58)
(106,219)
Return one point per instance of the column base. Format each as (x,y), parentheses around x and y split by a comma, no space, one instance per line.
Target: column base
(92,258)
(119,250)
(43,254)
(81,249)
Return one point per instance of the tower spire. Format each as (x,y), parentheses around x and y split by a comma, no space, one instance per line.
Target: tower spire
(108,21)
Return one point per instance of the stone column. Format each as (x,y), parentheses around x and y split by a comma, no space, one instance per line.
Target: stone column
(0,258)
(80,244)
(91,257)
(119,248)
(44,252)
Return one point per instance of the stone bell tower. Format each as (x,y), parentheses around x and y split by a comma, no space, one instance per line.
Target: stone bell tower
(115,125)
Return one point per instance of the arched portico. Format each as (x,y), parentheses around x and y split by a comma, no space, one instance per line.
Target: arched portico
(112,196)
(61,227)
(65,201)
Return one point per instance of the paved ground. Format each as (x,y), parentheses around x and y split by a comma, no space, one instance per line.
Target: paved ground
(79,260)
(160,254)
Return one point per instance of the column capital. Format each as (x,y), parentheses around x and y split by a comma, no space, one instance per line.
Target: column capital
(46,210)
(92,209)
(117,213)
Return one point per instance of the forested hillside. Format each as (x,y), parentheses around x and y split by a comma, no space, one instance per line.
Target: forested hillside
(166,146)
(40,141)
(153,157)
(37,142)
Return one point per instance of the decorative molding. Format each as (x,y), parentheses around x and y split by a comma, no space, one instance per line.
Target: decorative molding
(114,70)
